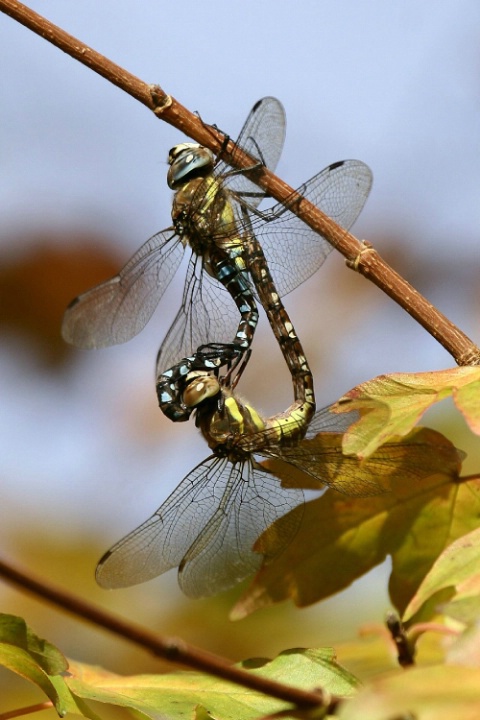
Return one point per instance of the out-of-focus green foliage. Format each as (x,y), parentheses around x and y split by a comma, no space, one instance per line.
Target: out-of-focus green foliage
(453,583)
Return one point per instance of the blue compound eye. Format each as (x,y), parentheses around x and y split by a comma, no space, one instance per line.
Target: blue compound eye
(185,160)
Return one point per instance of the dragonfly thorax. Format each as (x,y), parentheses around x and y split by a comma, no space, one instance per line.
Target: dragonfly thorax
(224,420)
(186,161)
(202,213)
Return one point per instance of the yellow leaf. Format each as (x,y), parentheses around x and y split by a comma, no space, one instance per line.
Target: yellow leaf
(391,405)
(430,693)
(454,575)
(340,538)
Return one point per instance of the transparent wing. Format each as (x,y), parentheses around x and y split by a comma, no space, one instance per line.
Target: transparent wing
(293,250)
(317,458)
(118,309)
(207,314)
(162,541)
(323,460)
(248,500)
(325,420)
(207,526)
(319,455)
(262,136)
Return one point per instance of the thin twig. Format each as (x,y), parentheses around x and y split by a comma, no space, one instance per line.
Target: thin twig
(174,650)
(405,650)
(360,256)
(26,710)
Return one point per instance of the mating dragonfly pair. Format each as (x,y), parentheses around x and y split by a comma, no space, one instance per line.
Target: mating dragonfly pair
(239,256)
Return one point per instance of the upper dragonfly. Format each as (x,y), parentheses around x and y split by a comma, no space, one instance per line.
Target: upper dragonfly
(213,210)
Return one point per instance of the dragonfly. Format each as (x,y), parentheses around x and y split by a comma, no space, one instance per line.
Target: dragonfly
(208,525)
(214,211)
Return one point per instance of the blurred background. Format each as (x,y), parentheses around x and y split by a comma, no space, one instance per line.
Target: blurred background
(85,454)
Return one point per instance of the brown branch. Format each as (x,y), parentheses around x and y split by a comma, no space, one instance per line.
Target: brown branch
(26,710)
(174,650)
(360,256)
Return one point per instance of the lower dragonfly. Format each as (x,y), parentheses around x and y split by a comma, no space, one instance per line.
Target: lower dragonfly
(213,212)
(208,525)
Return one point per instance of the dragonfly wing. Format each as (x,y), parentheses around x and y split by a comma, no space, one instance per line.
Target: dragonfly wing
(293,250)
(319,456)
(262,136)
(325,420)
(207,314)
(248,500)
(162,541)
(118,309)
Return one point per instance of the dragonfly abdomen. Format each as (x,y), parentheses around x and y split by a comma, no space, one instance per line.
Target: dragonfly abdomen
(235,282)
(284,332)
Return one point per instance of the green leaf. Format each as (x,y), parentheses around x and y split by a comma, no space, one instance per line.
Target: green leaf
(40,662)
(464,609)
(14,631)
(391,405)
(201,713)
(340,538)
(307,668)
(454,575)
(465,650)
(22,663)
(182,694)
(442,692)
(70,702)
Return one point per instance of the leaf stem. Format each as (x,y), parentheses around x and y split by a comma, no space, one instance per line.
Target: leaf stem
(415,631)
(26,710)
(172,649)
(360,256)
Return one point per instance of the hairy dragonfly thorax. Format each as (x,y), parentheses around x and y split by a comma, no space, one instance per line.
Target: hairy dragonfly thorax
(223,419)
(201,209)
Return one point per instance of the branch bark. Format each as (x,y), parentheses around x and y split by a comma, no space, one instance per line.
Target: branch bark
(174,650)
(360,256)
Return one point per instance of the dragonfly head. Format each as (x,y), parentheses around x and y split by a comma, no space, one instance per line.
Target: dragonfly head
(186,161)
(200,386)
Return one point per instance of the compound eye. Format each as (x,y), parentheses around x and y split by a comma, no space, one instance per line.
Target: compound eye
(199,390)
(182,149)
(186,161)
